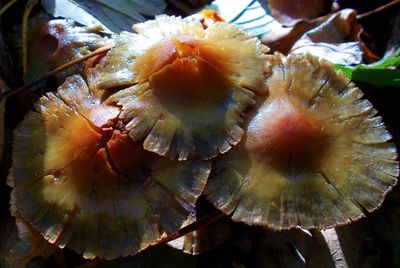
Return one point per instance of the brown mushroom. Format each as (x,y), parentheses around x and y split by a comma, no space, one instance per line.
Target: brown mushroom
(315,154)
(82,183)
(20,243)
(57,42)
(188,87)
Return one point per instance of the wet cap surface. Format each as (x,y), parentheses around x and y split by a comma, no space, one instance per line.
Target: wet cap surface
(315,154)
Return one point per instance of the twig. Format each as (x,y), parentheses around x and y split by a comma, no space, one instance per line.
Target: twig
(27,11)
(58,69)
(7,6)
(207,219)
(379,9)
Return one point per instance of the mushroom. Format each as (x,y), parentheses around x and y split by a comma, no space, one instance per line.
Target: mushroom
(83,183)
(57,42)
(314,155)
(183,88)
(20,243)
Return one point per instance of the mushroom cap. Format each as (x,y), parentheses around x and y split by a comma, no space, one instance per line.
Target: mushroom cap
(84,184)
(57,42)
(315,154)
(183,88)
(20,243)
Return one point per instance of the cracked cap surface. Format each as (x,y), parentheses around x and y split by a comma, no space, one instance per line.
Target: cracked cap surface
(84,184)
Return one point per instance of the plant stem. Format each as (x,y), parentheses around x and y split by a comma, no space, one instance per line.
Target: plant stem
(7,6)
(25,18)
(376,10)
(207,219)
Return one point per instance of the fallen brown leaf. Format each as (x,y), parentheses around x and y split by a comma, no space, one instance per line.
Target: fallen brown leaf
(394,41)
(289,12)
(336,39)
(2,108)
(282,38)
(3,89)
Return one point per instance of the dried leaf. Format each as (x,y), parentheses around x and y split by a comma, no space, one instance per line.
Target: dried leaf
(282,38)
(333,243)
(6,62)
(289,12)
(330,40)
(188,7)
(3,89)
(387,219)
(394,41)
(114,16)
(255,18)
(2,108)
(358,246)
(292,248)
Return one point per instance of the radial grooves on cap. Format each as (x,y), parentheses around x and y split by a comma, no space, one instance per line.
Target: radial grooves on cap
(318,183)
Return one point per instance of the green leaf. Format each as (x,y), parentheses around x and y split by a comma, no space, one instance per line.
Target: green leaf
(381,73)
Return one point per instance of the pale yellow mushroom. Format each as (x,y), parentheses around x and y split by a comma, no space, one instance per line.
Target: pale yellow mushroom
(82,183)
(182,88)
(314,155)
(20,243)
(57,42)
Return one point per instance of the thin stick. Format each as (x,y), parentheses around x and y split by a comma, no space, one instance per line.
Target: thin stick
(59,69)
(7,6)
(207,219)
(25,18)
(379,9)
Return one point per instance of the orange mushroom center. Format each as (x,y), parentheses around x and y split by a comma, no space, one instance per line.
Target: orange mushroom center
(91,148)
(283,130)
(183,68)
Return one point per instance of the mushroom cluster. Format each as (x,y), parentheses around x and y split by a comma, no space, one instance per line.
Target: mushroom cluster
(109,164)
